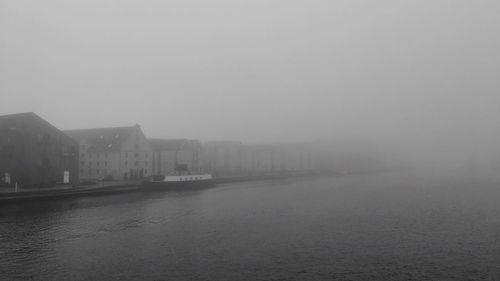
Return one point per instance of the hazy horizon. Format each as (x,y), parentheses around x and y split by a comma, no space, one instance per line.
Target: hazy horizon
(414,76)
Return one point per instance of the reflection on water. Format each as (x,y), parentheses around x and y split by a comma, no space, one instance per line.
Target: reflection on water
(372,227)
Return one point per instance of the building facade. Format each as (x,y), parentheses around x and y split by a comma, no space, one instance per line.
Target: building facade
(33,153)
(276,158)
(222,158)
(174,156)
(119,153)
(226,158)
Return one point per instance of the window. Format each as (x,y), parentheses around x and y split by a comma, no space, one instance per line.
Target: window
(82,163)
(98,164)
(126,154)
(136,155)
(105,164)
(83,155)
(126,163)
(136,163)
(136,146)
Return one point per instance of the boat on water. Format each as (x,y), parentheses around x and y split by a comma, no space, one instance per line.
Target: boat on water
(179,182)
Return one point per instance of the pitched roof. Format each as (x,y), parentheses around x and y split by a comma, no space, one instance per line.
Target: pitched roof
(175,144)
(17,115)
(103,139)
(224,143)
(167,144)
(9,121)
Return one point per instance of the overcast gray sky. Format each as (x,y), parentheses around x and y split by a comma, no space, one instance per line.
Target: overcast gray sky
(396,72)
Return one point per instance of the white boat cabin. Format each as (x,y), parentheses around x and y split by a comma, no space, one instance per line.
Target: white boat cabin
(188,178)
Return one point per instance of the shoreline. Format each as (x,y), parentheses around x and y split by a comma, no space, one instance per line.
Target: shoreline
(129,187)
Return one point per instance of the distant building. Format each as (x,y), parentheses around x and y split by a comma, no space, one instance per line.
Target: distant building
(296,157)
(235,158)
(222,157)
(119,153)
(173,156)
(348,156)
(275,157)
(34,153)
(258,158)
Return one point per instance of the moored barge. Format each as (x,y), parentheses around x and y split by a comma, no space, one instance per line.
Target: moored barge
(180,182)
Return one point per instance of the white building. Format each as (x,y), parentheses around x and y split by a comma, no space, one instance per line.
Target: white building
(119,153)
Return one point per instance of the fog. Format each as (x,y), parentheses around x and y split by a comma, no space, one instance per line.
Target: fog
(419,80)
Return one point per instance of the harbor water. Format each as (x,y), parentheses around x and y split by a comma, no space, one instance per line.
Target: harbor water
(392,226)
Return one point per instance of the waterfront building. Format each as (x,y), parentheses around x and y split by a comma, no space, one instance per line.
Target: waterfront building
(348,156)
(118,153)
(276,158)
(173,156)
(34,153)
(259,158)
(222,158)
(296,157)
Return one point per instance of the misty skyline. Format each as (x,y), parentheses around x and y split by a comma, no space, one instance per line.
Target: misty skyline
(399,73)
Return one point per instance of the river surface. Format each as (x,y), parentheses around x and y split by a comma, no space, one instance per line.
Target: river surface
(365,227)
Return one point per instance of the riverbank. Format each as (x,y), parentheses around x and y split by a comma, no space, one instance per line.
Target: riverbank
(107,188)
(94,190)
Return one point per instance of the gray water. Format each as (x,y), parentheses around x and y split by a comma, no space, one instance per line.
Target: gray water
(370,227)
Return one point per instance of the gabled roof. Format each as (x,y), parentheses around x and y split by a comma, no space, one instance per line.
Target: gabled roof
(167,144)
(103,139)
(174,144)
(9,118)
(211,145)
(223,142)
(16,115)
(9,121)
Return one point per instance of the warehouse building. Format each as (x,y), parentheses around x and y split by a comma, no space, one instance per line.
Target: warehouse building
(33,153)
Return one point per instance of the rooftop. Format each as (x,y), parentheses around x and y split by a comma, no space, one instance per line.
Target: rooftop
(174,144)
(103,139)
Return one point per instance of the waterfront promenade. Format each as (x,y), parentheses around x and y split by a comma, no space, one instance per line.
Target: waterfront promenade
(112,187)
(101,188)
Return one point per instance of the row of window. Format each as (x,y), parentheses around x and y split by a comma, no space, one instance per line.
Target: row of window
(100,172)
(136,163)
(190,178)
(83,147)
(82,163)
(98,155)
